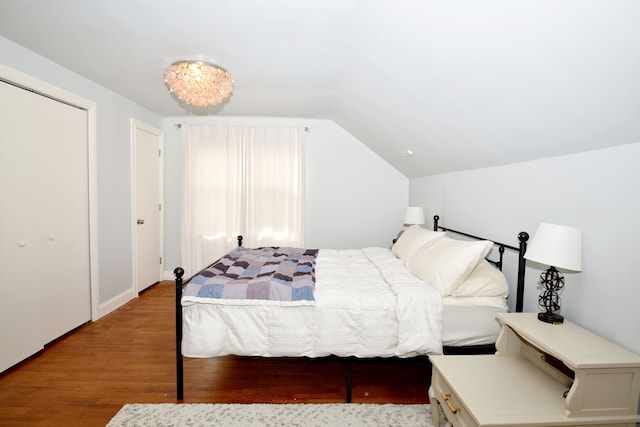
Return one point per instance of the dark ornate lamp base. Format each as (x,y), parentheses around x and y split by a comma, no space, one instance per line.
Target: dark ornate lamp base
(554,318)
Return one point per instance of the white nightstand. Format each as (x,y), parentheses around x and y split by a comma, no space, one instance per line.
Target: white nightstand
(541,375)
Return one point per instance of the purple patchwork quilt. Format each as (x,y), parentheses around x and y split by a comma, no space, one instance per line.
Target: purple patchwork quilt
(269,273)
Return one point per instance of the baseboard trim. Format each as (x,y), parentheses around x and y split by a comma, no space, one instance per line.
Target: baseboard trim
(116,302)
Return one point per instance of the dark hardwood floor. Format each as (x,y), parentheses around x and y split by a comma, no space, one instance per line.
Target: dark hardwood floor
(128,356)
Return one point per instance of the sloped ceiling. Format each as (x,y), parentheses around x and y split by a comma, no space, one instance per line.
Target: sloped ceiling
(462,83)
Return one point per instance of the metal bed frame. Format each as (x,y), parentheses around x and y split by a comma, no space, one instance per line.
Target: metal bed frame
(523,237)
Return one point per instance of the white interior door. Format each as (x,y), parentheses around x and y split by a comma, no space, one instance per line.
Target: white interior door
(148,215)
(64,200)
(21,301)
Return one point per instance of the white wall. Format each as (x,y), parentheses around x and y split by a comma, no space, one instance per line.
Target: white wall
(596,191)
(353,197)
(114,112)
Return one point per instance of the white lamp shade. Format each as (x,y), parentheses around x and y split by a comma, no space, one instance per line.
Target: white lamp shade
(556,246)
(414,215)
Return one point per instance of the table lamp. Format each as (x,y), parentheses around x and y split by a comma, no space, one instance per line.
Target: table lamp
(557,246)
(414,216)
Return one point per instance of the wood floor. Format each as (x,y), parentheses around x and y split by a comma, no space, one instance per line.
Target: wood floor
(128,356)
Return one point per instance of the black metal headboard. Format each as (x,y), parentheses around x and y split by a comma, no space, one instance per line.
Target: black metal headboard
(523,237)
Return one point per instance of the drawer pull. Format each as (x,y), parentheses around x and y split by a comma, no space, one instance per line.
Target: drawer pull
(446,398)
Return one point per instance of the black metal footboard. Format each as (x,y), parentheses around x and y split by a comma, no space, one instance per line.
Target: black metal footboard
(179,272)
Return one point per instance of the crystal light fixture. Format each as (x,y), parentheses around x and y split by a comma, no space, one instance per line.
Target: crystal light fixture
(198,83)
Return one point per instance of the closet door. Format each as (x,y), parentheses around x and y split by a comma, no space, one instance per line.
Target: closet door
(44,226)
(63,201)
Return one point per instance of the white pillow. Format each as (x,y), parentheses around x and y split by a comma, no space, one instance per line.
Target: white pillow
(412,239)
(484,281)
(445,263)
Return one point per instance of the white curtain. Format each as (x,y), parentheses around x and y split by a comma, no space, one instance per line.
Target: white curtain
(240,180)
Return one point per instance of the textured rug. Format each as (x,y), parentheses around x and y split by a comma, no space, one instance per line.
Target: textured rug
(301,415)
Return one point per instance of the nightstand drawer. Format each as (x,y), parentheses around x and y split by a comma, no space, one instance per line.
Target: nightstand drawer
(453,408)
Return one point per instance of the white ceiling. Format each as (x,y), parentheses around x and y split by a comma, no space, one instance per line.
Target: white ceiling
(462,83)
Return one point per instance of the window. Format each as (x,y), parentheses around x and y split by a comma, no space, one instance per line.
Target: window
(239,180)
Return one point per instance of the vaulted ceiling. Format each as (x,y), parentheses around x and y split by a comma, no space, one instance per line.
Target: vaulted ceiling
(463,84)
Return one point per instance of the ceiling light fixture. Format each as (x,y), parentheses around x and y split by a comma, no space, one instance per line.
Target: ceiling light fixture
(198,83)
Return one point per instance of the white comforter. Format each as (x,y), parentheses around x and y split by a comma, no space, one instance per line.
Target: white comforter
(366,305)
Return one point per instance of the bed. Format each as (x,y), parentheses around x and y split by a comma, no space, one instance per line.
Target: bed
(427,294)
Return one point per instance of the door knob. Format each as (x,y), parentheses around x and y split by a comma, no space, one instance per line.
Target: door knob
(141,221)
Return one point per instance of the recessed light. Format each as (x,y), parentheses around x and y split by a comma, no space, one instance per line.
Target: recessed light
(407,153)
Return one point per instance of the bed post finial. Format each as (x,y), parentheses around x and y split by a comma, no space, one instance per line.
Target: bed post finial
(436,218)
(179,272)
(239,241)
(523,237)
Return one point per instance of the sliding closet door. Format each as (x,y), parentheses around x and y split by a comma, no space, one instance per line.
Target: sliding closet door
(44,221)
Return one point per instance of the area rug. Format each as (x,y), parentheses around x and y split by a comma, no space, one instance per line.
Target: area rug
(257,414)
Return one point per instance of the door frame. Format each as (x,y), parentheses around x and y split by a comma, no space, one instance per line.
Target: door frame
(11,75)
(135,126)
